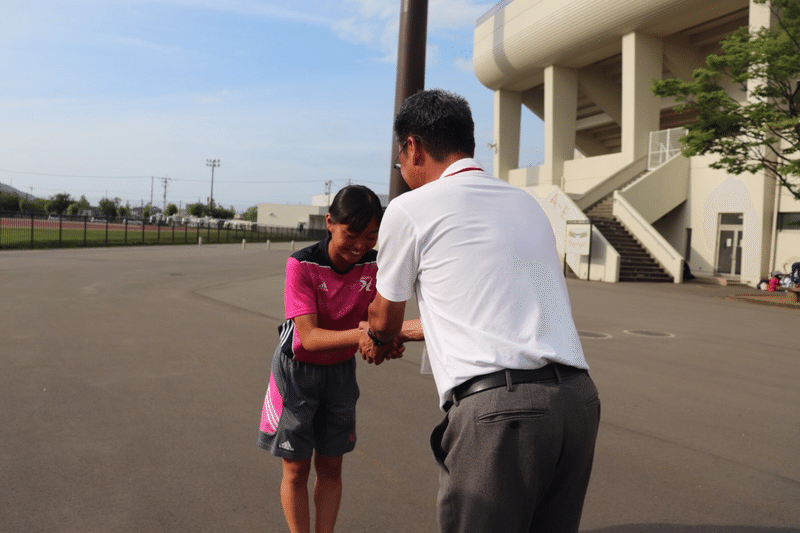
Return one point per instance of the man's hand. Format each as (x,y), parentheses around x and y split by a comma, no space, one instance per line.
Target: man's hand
(377,354)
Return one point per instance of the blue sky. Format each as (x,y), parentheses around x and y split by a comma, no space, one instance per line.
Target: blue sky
(99,95)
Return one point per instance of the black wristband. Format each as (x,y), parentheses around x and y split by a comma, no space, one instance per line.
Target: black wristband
(375,340)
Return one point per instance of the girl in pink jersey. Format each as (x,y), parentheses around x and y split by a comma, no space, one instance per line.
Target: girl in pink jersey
(309,409)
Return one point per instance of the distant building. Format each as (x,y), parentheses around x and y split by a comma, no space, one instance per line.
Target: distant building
(294,216)
(323,200)
(289,216)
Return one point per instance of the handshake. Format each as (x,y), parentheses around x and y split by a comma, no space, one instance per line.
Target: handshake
(372,353)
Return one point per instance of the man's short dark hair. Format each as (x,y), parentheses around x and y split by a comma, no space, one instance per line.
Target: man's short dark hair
(442,121)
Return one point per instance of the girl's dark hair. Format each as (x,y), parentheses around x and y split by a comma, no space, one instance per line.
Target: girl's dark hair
(355,206)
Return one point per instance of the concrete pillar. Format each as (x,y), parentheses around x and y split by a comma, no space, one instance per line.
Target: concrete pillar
(560,111)
(642,57)
(507,109)
(756,249)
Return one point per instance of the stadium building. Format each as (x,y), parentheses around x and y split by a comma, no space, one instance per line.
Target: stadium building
(611,155)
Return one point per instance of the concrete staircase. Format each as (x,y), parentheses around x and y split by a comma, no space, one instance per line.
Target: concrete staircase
(635,263)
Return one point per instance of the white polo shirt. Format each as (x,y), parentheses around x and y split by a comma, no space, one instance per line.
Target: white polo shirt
(480,256)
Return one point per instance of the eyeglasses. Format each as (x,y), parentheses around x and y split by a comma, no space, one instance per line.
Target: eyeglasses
(397,158)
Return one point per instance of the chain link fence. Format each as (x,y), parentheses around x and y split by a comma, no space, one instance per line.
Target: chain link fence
(32,230)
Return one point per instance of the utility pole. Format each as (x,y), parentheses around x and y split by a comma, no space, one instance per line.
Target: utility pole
(410,72)
(164,208)
(213,163)
(152,179)
(328,191)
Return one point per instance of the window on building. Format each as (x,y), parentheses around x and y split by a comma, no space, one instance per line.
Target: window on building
(733,219)
(789,221)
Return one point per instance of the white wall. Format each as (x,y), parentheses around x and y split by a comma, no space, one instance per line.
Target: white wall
(582,174)
(713,192)
(287,216)
(672,227)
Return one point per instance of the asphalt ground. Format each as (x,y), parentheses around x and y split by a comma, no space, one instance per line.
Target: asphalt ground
(132,382)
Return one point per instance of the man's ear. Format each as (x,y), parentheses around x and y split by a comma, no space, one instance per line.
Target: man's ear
(415,152)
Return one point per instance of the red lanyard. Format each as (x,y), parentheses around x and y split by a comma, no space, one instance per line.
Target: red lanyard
(463,170)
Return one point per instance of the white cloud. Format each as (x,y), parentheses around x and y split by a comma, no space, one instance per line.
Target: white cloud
(433,55)
(454,14)
(464,65)
(354,31)
(375,23)
(380,9)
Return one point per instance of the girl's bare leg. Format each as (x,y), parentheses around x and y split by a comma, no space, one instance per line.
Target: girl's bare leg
(327,491)
(294,494)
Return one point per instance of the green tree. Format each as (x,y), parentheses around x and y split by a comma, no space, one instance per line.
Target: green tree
(83,205)
(124,210)
(108,208)
(74,209)
(146,212)
(763,131)
(221,212)
(40,205)
(32,206)
(196,210)
(171,210)
(251,214)
(59,203)
(9,202)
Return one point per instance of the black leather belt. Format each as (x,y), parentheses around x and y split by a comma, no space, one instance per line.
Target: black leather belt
(551,372)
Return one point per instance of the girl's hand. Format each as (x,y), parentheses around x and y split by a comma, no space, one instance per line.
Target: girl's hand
(396,351)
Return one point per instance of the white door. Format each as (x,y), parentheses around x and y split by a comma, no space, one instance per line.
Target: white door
(729,244)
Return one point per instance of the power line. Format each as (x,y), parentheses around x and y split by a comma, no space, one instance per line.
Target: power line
(189,180)
(71,175)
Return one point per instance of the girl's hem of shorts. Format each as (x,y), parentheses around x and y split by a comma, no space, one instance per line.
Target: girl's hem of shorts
(266,443)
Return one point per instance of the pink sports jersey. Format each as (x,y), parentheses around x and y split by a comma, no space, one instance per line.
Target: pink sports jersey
(340,300)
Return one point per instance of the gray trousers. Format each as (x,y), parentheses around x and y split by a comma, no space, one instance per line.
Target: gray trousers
(518,460)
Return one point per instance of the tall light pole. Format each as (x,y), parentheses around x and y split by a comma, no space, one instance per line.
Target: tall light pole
(410,71)
(213,163)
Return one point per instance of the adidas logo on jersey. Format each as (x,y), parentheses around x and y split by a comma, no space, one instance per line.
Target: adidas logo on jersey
(286,445)
(323,287)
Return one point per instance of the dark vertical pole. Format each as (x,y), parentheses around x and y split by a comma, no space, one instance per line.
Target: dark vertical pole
(60,225)
(589,265)
(410,71)
(32,229)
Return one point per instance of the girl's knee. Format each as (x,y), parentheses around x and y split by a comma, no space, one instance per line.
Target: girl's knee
(296,472)
(329,468)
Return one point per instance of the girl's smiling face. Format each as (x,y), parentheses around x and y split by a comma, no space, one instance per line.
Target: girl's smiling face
(346,247)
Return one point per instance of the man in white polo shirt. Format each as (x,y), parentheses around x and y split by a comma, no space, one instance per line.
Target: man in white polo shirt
(517,442)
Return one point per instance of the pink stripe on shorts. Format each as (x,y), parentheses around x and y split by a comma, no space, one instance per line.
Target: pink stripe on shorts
(272,409)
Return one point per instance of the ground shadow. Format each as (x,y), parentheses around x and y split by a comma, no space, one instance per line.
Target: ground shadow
(678,528)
